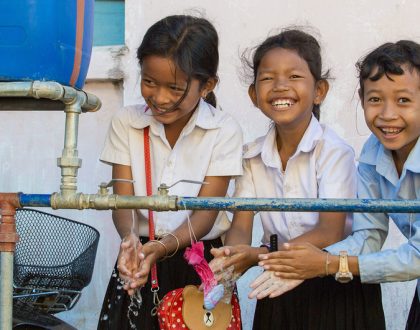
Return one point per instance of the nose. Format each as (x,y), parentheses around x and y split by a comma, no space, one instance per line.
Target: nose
(161,96)
(280,85)
(388,112)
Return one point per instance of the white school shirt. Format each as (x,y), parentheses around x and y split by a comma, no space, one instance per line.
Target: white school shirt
(378,178)
(209,145)
(323,166)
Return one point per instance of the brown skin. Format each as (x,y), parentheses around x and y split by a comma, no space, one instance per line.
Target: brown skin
(303,261)
(392,112)
(162,85)
(282,75)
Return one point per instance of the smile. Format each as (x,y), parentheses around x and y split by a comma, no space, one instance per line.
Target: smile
(390,130)
(282,103)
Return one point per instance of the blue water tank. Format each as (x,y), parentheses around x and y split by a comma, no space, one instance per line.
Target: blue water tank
(46,40)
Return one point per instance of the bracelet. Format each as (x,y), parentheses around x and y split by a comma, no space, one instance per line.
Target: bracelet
(161,243)
(177,246)
(327,263)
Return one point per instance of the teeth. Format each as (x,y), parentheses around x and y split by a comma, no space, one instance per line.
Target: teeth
(282,103)
(390,130)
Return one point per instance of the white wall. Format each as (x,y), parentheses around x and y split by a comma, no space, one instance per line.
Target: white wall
(31,142)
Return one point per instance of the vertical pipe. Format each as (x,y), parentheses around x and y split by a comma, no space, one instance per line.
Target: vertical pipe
(8,239)
(70,162)
(6,290)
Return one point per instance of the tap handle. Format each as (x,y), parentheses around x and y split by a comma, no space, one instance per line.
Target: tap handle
(105,185)
(273,243)
(186,181)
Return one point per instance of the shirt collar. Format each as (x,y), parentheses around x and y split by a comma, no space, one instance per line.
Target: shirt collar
(267,146)
(311,137)
(205,116)
(375,154)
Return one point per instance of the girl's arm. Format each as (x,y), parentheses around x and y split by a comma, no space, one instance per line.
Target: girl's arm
(202,222)
(123,219)
(238,245)
(304,261)
(329,230)
(241,230)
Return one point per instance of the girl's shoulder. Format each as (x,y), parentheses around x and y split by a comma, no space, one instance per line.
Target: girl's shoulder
(332,140)
(132,115)
(210,117)
(330,146)
(254,148)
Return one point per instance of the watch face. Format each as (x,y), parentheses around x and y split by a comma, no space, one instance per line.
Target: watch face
(343,277)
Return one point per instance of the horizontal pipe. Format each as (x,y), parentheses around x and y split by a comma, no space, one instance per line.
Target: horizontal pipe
(35,200)
(49,90)
(300,204)
(174,203)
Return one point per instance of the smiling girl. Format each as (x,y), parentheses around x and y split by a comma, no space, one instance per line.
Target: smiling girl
(189,139)
(298,158)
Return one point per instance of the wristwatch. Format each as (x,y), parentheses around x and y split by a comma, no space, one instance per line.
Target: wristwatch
(343,275)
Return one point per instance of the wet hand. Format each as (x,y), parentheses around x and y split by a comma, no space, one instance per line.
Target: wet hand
(147,258)
(295,261)
(241,257)
(129,257)
(270,285)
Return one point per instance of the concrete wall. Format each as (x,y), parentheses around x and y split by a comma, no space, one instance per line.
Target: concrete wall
(31,142)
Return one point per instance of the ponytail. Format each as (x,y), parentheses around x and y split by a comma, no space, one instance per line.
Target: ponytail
(211,99)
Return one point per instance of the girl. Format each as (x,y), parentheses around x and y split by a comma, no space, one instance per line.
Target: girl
(389,80)
(298,158)
(189,139)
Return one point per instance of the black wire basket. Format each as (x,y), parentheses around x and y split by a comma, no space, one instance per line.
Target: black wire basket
(54,259)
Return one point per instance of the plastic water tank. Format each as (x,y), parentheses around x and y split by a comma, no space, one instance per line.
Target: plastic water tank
(46,40)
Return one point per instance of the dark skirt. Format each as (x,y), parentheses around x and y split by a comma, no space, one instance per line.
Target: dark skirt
(119,313)
(413,321)
(323,304)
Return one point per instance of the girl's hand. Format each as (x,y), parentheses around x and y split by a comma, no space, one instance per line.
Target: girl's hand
(268,284)
(296,261)
(148,256)
(129,259)
(241,257)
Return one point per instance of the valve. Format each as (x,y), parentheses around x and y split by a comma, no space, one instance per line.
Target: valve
(163,189)
(103,187)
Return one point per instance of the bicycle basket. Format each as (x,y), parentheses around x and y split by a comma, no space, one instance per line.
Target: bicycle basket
(53,253)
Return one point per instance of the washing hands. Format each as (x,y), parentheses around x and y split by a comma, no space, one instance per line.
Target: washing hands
(270,285)
(129,262)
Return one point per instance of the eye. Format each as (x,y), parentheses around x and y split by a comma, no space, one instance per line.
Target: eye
(148,82)
(177,88)
(374,99)
(403,100)
(266,78)
(295,76)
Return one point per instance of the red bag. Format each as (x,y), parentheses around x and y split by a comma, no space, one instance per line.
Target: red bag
(183,309)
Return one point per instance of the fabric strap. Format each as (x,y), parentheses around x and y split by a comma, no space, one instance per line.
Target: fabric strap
(148,170)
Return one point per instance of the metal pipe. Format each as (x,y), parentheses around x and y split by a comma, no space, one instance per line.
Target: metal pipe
(50,90)
(8,239)
(69,162)
(173,203)
(6,292)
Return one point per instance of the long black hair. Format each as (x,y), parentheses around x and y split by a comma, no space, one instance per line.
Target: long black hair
(191,42)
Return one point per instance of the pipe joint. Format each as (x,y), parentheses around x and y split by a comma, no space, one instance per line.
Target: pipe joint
(69,200)
(49,90)
(8,235)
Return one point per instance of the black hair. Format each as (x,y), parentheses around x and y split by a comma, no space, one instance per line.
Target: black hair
(387,59)
(304,44)
(191,42)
